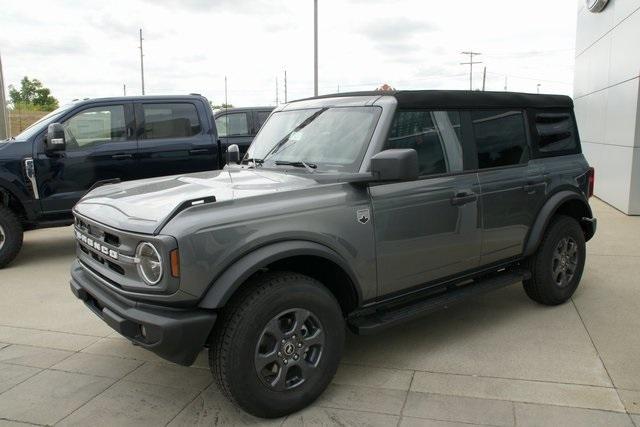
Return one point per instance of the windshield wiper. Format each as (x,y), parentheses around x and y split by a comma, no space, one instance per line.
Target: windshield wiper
(300,164)
(252,160)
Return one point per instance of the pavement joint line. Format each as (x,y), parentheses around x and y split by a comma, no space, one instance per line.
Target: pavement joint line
(323,405)
(600,357)
(488,376)
(186,404)
(54,331)
(26,379)
(22,422)
(614,255)
(406,397)
(85,403)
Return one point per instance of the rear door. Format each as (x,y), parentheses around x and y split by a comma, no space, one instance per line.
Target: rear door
(427,229)
(512,186)
(235,128)
(173,139)
(100,146)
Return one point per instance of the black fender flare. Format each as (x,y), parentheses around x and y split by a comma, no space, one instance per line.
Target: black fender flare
(7,186)
(546,213)
(240,270)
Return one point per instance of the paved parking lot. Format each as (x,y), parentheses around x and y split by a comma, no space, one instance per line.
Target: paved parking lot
(497,360)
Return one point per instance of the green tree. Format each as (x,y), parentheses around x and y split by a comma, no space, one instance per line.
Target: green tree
(32,95)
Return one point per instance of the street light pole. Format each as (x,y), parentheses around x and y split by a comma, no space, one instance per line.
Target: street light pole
(315,47)
(141,62)
(4,122)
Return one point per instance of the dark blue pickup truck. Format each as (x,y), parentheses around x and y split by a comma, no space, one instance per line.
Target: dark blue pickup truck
(47,168)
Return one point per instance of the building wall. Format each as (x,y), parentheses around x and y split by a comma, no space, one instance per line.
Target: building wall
(607,96)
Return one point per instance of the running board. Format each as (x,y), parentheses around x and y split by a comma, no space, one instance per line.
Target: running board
(384,318)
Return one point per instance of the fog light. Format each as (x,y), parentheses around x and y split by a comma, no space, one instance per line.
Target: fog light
(143,331)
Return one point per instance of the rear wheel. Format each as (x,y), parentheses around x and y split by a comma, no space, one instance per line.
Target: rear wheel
(556,268)
(277,345)
(10,236)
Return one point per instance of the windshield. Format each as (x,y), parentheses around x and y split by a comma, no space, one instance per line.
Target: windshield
(333,139)
(45,121)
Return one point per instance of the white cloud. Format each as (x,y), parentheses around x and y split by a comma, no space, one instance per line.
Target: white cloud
(89,49)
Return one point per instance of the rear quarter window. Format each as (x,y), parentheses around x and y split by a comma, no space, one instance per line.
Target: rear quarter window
(555,133)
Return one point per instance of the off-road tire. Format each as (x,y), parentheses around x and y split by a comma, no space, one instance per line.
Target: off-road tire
(542,286)
(240,326)
(13,234)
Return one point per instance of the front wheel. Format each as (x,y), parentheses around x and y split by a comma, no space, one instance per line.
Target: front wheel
(11,234)
(278,344)
(556,267)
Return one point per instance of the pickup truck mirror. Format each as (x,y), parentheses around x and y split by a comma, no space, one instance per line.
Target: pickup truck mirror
(55,141)
(233,154)
(395,165)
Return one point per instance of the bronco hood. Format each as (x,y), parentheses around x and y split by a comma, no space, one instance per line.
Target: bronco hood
(144,205)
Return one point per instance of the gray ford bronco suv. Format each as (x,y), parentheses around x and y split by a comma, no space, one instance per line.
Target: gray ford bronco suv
(358,211)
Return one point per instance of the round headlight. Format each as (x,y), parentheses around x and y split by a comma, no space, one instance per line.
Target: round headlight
(149,263)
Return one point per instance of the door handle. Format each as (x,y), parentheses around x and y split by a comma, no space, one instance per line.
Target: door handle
(199,151)
(463,198)
(122,156)
(530,187)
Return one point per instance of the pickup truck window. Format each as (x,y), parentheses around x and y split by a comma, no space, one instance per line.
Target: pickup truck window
(435,135)
(178,120)
(95,126)
(500,137)
(233,124)
(333,139)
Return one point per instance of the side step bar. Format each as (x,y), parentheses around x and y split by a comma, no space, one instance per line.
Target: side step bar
(383,318)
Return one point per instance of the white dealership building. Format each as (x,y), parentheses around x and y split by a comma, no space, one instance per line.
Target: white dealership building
(607,97)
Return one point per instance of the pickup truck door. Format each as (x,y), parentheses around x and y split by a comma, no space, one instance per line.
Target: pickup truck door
(174,137)
(235,128)
(100,146)
(427,229)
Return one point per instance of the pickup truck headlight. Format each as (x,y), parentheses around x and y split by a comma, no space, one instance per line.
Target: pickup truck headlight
(149,263)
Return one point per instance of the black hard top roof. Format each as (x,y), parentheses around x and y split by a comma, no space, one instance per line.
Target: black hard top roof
(465,99)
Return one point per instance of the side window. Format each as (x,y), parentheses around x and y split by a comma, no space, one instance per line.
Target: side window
(556,134)
(261,117)
(177,120)
(95,126)
(233,124)
(500,138)
(435,135)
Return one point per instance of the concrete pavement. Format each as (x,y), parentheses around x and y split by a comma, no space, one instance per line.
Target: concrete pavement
(497,360)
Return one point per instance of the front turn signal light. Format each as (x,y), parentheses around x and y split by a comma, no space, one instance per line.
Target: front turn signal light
(174,256)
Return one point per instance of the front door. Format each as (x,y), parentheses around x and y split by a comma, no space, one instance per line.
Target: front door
(100,146)
(235,128)
(430,228)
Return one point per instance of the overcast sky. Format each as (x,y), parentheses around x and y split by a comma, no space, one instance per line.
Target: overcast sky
(89,49)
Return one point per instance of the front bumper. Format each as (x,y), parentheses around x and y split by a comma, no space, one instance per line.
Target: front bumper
(175,335)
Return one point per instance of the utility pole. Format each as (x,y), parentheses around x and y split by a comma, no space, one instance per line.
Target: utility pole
(124,89)
(285,86)
(226,100)
(277,100)
(506,78)
(538,88)
(315,47)
(484,78)
(141,61)
(4,118)
(471,63)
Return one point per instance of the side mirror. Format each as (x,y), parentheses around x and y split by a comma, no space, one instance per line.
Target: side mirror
(233,154)
(395,165)
(55,139)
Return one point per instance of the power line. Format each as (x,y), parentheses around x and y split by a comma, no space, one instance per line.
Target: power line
(470,64)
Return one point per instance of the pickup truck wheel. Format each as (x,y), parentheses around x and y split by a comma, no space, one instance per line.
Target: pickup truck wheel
(556,268)
(277,345)
(10,236)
